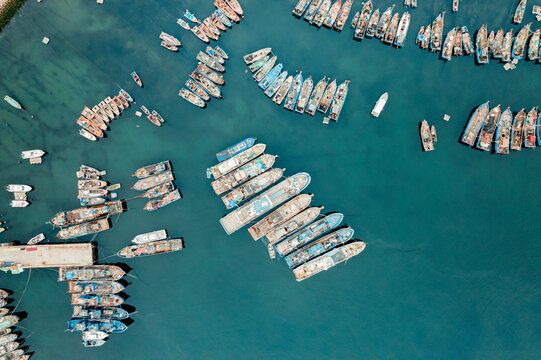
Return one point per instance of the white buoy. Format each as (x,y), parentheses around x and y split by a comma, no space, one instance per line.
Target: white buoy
(45,40)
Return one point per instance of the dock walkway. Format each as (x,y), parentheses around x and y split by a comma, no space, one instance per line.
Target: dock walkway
(49,255)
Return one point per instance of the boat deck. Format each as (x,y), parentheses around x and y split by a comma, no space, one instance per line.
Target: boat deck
(49,255)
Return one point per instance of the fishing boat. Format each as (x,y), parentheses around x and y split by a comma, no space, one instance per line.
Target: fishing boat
(343,15)
(216,21)
(355,19)
(372,24)
(192,85)
(92,201)
(380,105)
(96,300)
(210,25)
(264,70)
(517,134)
(36,239)
(153,169)
(93,272)
(252,187)
(208,32)
(94,118)
(148,182)
(90,193)
(304,95)
(15,355)
(191,97)
(3,294)
(538,126)
(448,45)
(530,128)
(455,6)
(109,101)
(137,79)
(362,24)
(491,39)
(118,103)
(206,84)
(283,90)
(7,338)
(328,260)
(29,154)
(519,45)
(481,48)
(338,101)
(318,247)
(153,119)
(321,13)
(105,108)
(258,64)
(420,35)
(8,321)
(402,31)
(188,15)
(88,228)
(519,12)
(275,85)
(390,33)
(94,287)
(426,136)
(317,94)
(94,335)
(457,49)
(223,19)
(311,12)
(145,110)
(212,75)
(162,201)
(301,7)
(279,216)
(484,141)
(243,173)
(150,237)
(466,41)
(230,13)
(497,48)
(235,149)
(11,101)
(265,202)
(151,248)
(307,234)
(327,98)
(100,113)
(294,92)
(214,55)
(533,48)
(3,312)
(102,312)
(5,331)
(222,53)
(437,32)
(170,39)
(122,100)
(234,4)
(18,188)
(6,349)
(224,167)
(199,33)
(503,133)
(105,325)
(332,14)
(88,172)
(507,46)
(168,46)
(384,22)
(270,77)
(425,39)
(183,24)
(91,184)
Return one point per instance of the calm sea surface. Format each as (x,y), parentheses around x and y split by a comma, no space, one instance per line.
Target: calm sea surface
(451,269)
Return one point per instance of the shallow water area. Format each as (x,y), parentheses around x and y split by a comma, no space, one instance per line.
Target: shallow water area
(451,264)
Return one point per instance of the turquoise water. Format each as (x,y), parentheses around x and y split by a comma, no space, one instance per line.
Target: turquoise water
(451,266)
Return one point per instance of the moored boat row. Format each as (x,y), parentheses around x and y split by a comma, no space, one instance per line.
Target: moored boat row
(157,182)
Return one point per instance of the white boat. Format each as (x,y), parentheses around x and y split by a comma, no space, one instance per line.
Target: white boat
(18,188)
(36,239)
(126,96)
(28,154)
(151,236)
(94,335)
(11,101)
(19,203)
(86,134)
(380,104)
(2,229)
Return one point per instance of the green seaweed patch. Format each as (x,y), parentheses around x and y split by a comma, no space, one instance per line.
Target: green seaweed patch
(9,12)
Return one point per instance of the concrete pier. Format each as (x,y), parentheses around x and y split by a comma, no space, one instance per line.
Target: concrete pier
(49,255)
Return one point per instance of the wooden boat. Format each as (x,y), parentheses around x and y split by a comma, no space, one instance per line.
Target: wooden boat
(252,187)
(36,239)
(151,248)
(205,29)
(119,103)
(283,90)
(258,64)
(475,123)
(507,46)
(256,55)
(372,24)
(87,135)
(137,79)
(433,134)
(481,48)
(92,272)
(321,13)
(92,116)
(497,49)
(362,25)
(168,46)
(466,41)
(154,180)
(220,25)
(153,119)
(90,126)
(420,35)
(215,77)
(338,101)
(107,109)
(206,84)
(145,110)
(519,12)
(517,134)
(159,190)
(210,25)
(491,38)
(234,4)
(384,22)
(425,41)
(261,73)
(191,97)
(101,312)
(455,6)
(328,95)
(484,142)
(109,101)
(304,95)
(294,91)
(90,193)
(503,133)
(343,15)
(533,48)
(317,94)
(214,55)
(448,45)
(91,184)
(519,44)
(211,63)
(183,24)
(123,101)
(200,34)
(222,52)
(163,200)
(530,128)
(230,13)
(100,113)
(223,19)
(94,287)
(311,12)
(275,85)
(198,90)
(158,116)
(426,137)
(457,48)
(170,39)
(301,7)
(355,19)
(390,33)
(96,300)
(437,32)
(151,170)
(332,14)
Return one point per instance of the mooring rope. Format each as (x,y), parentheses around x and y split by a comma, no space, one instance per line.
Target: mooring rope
(24,291)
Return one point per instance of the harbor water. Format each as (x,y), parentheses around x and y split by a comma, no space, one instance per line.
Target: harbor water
(451,266)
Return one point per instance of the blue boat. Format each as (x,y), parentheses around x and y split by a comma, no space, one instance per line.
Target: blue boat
(235,149)
(538,125)
(188,15)
(519,45)
(301,7)
(319,247)
(104,312)
(270,77)
(309,233)
(107,325)
(294,91)
(224,19)
(275,85)
(311,12)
